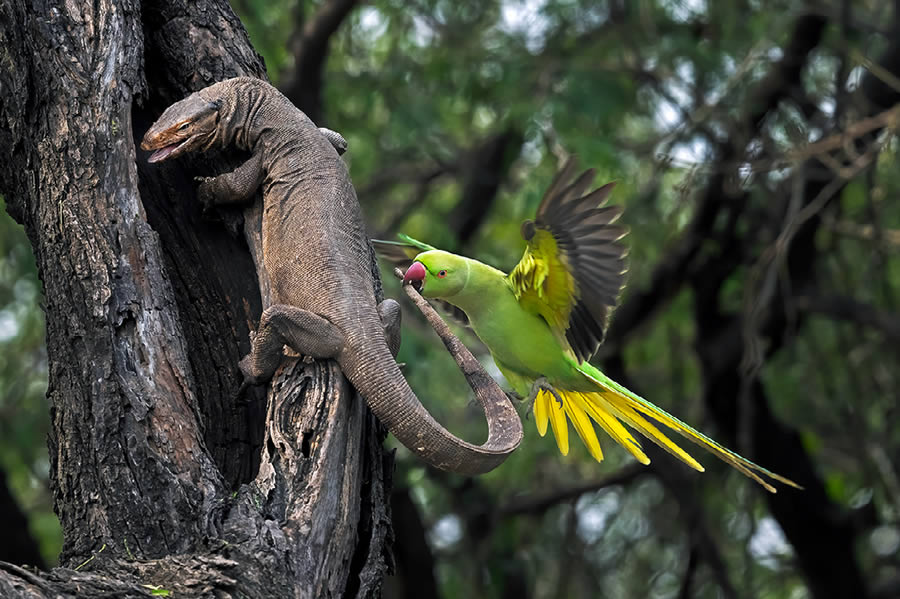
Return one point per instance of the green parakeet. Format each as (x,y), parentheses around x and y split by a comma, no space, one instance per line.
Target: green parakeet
(544,320)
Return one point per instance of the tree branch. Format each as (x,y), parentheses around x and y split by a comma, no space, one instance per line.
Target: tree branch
(415,561)
(303,83)
(486,168)
(416,173)
(689,571)
(669,276)
(821,534)
(888,239)
(146,325)
(681,483)
(846,308)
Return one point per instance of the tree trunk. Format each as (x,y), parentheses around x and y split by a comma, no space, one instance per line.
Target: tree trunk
(160,476)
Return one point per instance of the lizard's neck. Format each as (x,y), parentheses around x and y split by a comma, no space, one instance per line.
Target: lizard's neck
(246,106)
(238,105)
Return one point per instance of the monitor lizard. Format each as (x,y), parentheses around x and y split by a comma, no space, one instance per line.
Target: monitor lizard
(317,258)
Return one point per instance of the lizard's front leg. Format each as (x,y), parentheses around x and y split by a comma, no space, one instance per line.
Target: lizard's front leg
(301,330)
(235,187)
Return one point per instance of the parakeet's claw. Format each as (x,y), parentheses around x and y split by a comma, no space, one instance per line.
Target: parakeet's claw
(555,395)
(532,395)
(540,384)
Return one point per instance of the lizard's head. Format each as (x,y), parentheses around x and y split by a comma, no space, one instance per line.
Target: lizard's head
(439,274)
(185,126)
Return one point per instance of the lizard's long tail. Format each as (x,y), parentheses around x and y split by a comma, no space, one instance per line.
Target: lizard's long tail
(374,373)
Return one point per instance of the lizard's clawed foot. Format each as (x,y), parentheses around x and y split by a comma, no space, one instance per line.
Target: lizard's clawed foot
(249,380)
(246,366)
(205,194)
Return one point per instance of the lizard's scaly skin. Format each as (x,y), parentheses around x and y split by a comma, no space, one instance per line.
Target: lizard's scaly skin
(316,257)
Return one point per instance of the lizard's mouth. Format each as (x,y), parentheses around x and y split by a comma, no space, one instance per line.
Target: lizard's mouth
(166,151)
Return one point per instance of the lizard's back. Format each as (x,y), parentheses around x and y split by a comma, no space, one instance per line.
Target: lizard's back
(310,203)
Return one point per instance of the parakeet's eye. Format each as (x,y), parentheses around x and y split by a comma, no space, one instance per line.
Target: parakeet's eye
(442,274)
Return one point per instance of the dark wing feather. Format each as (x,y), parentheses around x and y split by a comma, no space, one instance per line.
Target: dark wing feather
(588,239)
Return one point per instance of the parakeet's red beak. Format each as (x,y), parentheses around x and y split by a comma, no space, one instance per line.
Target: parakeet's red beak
(415,274)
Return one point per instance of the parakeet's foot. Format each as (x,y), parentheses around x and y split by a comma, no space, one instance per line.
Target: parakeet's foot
(540,384)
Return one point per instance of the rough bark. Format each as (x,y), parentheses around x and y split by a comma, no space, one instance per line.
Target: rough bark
(160,477)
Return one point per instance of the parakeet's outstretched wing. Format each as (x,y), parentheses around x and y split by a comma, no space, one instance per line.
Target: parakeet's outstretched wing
(573,269)
(402,254)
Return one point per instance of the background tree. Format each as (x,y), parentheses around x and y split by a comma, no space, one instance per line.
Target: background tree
(754,144)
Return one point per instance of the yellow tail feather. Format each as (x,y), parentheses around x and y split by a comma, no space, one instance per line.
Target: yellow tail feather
(558,422)
(612,426)
(612,403)
(636,421)
(629,405)
(583,425)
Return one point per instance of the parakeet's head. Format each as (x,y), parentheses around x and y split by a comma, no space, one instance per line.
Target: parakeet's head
(438,274)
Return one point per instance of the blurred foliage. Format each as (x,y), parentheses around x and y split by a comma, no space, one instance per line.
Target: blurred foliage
(642,97)
(24,410)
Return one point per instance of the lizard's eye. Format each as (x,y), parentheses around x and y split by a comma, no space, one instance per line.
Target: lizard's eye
(184,126)
(442,274)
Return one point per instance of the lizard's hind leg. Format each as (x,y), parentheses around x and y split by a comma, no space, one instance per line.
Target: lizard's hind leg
(301,330)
